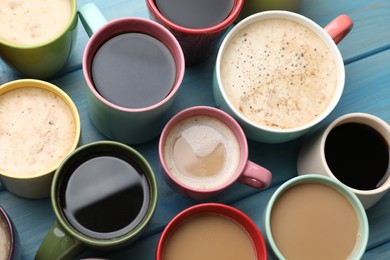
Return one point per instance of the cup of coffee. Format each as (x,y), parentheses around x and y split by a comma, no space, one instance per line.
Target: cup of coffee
(40,126)
(10,248)
(314,216)
(133,68)
(198,25)
(37,38)
(203,151)
(211,231)
(255,6)
(353,149)
(279,74)
(103,196)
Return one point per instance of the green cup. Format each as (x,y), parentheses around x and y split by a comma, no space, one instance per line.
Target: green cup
(104,195)
(255,6)
(42,60)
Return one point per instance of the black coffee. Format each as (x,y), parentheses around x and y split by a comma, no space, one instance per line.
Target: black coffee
(195,14)
(133,70)
(104,196)
(357,155)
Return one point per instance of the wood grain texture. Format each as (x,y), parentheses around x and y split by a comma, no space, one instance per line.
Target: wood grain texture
(366,52)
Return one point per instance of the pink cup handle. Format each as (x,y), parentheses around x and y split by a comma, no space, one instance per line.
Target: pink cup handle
(339,27)
(255,176)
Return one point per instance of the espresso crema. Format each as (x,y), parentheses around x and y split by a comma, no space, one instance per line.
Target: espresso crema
(37,131)
(31,22)
(202,152)
(278,73)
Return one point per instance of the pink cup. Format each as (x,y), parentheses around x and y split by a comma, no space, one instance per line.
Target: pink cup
(197,44)
(245,172)
(220,209)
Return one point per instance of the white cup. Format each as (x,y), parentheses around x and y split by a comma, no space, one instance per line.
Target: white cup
(312,159)
(330,35)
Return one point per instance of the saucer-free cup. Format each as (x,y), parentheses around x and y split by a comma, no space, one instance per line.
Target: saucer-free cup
(361,244)
(311,158)
(43,60)
(247,172)
(10,248)
(254,6)
(331,35)
(127,125)
(65,240)
(36,185)
(198,44)
(219,209)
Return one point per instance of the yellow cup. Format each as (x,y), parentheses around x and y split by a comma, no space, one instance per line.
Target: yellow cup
(40,127)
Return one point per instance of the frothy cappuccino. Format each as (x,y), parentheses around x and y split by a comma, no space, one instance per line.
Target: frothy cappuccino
(4,240)
(278,73)
(30,22)
(201,152)
(37,132)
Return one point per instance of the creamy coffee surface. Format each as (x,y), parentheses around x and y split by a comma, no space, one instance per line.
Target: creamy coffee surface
(201,152)
(4,240)
(37,131)
(312,219)
(209,236)
(30,22)
(278,73)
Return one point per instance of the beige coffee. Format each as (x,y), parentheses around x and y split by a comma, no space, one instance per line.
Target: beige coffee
(201,152)
(4,240)
(209,237)
(37,131)
(31,22)
(278,73)
(311,220)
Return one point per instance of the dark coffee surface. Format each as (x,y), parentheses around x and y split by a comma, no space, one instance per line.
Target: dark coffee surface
(105,197)
(357,155)
(195,14)
(133,70)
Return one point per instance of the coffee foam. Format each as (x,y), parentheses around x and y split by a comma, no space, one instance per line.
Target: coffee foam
(278,73)
(4,240)
(37,131)
(204,134)
(33,22)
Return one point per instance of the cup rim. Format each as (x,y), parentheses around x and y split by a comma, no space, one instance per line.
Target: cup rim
(179,62)
(313,26)
(10,228)
(116,241)
(315,178)
(237,6)
(35,83)
(212,208)
(72,18)
(356,117)
(223,117)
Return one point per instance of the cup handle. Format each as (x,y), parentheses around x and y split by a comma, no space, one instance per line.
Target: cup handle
(255,176)
(339,27)
(58,245)
(91,18)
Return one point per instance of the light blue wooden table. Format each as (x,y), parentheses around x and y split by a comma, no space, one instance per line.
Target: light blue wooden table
(366,53)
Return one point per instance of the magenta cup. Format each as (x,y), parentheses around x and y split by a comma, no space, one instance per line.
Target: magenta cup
(219,209)
(198,43)
(204,129)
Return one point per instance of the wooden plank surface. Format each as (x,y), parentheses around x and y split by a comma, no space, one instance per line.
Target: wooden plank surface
(366,53)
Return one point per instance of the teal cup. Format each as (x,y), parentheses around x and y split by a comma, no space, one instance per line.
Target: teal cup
(45,59)
(103,195)
(314,216)
(118,121)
